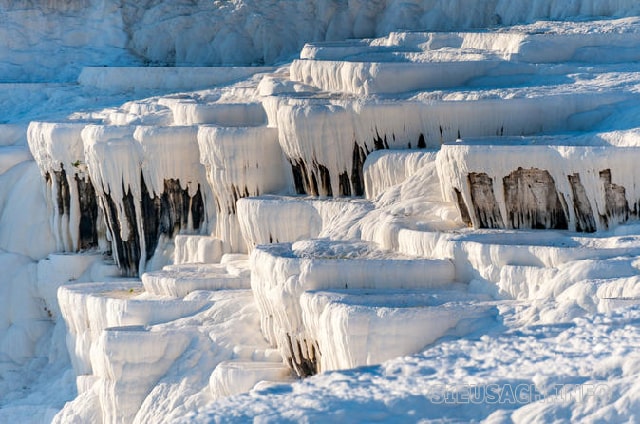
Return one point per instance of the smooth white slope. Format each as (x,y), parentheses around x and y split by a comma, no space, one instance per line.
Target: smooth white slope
(583,370)
(184,388)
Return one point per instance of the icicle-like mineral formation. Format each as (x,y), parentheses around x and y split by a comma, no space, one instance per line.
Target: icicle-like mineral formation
(240,162)
(149,180)
(76,219)
(581,188)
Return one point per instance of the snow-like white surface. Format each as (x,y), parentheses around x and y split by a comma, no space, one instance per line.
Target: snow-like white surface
(403,62)
(132,79)
(59,269)
(128,361)
(11,156)
(235,377)
(113,159)
(24,318)
(387,77)
(57,145)
(358,327)
(240,162)
(410,199)
(197,249)
(384,169)
(52,41)
(265,220)
(138,367)
(170,152)
(364,280)
(106,33)
(191,112)
(178,281)
(580,370)
(281,273)
(111,304)
(21,191)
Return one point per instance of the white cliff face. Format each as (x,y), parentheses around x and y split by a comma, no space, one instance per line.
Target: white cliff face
(240,162)
(582,188)
(282,273)
(109,33)
(364,327)
(81,164)
(77,221)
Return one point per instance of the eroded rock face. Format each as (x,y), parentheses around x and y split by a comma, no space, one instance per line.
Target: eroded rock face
(62,195)
(89,213)
(167,214)
(304,358)
(581,188)
(617,206)
(125,249)
(158,216)
(357,174)
(315,178)
(484,200)
(68,192)
(585,221)
(532,200)
(464,212)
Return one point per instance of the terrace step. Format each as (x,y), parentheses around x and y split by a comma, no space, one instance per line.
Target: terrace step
(132,79)
(235,377)
(89,308)
(197,249)
(190,111)
(177,281)
(282,273)
(351,328)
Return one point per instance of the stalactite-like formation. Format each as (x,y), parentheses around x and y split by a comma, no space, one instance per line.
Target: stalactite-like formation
(617,206)
(585,221)
(532,200)
(484,200)
(165,215)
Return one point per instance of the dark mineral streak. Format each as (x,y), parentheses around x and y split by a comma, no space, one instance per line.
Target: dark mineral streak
(484,200)
(532,200)
(617,207)
(88,213)
(585,221)
(166,214)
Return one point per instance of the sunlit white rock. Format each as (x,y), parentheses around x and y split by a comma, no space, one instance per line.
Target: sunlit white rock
(269,219)
(385,168)
(180,280)
(128,361)
(191,112)
(131,79)
(282,272)
(235,377)
(21,191)
(240,162)
(89,308)
(196,249)
(365,327)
